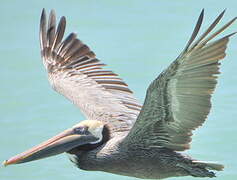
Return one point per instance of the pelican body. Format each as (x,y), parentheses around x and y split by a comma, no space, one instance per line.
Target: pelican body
(121,136)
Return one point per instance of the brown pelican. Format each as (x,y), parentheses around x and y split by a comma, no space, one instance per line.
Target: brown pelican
(121,136)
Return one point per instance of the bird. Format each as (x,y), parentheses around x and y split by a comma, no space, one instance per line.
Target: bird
(120,135)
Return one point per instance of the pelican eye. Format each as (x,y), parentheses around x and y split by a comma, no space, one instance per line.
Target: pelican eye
(80,130)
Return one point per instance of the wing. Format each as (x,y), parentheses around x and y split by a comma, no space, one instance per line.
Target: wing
(75,72)
(178,101)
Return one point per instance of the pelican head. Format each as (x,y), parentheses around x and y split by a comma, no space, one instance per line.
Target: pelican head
(84,133)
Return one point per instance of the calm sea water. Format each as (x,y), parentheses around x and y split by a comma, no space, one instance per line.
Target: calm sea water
(138,39)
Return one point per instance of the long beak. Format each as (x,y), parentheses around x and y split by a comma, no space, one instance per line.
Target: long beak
(63,142)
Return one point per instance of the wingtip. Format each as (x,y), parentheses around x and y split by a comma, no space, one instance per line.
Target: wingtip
(63,19)
(231,34)
(43,12)
(52,19)
(234,19)
(195,31)
(43,23)
(202,10)
(223,11)
(43,15)
(202,14)
(52,12)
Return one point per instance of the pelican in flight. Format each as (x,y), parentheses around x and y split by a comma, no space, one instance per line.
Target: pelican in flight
(121,136)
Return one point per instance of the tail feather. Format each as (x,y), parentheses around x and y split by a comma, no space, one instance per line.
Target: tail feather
(209,165)
(201,168)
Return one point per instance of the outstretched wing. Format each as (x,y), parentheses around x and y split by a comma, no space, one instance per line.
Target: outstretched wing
(75,72)
(178,101)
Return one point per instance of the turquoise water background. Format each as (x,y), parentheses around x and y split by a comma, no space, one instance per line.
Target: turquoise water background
(137,39)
